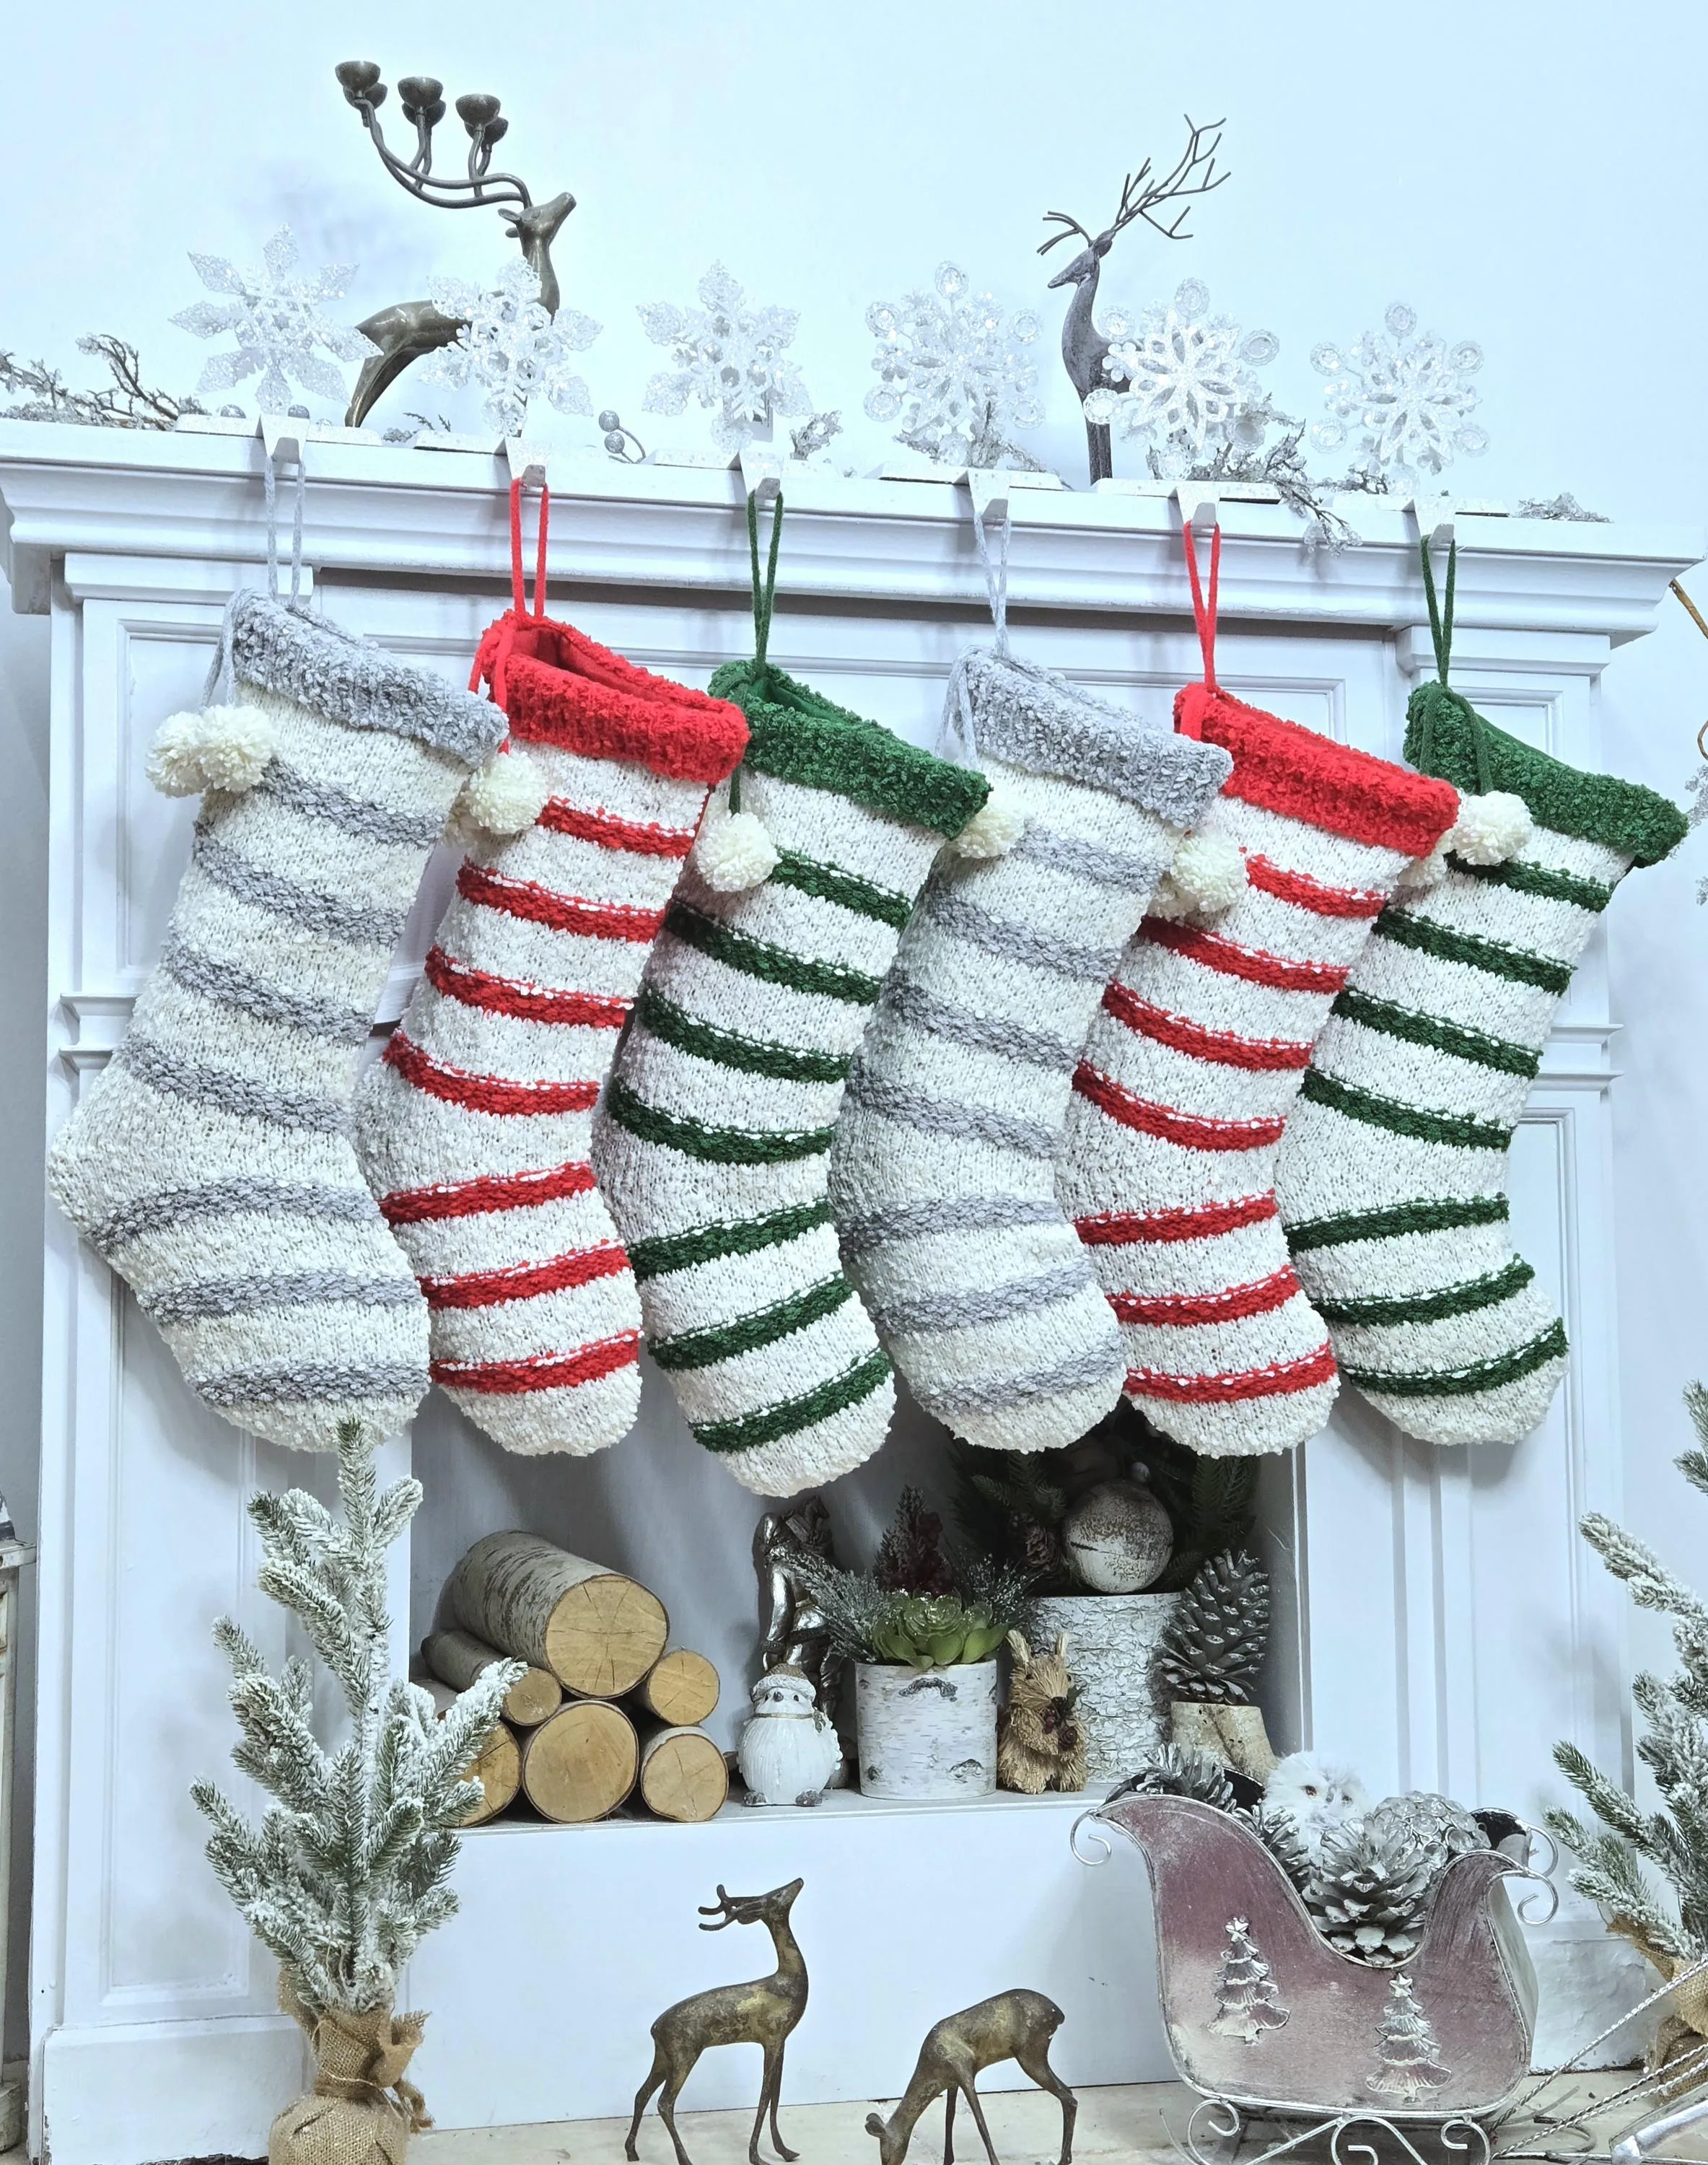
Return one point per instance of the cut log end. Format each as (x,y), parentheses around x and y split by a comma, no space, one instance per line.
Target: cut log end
(681,1689)
(458,1658)
(604,1636)
(684,1776)
(581,1763)
(498,1770)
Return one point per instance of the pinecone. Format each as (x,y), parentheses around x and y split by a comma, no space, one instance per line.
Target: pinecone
(1216,1639)
(1280,1834)
(1369,1894)
(1177,1773)
(1443,1826)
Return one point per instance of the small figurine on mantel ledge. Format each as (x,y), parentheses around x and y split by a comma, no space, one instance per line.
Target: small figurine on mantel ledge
(790,1749)
(1012,2026)
(763,2013)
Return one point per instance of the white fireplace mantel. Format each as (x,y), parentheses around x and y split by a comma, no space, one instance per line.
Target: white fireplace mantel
(1438,1623)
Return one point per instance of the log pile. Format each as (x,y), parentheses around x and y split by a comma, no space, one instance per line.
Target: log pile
(609,1711)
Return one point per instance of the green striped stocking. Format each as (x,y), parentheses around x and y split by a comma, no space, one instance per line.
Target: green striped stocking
(1391,1177)
(711,1144)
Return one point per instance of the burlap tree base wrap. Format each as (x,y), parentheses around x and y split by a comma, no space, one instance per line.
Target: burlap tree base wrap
(1683,2031)
(360,2110)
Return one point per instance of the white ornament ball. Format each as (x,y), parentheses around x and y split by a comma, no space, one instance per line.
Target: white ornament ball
(1490,829)
(1207,874)
(994,828)
(734,851)
(220,748)
(505,798)
(1118,1538)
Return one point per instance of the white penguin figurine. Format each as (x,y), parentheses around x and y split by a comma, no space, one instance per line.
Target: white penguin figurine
(789,1750)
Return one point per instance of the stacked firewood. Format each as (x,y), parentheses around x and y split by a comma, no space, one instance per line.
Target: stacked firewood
(609,1711)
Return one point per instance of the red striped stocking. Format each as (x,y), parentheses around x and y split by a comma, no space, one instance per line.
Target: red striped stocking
(1196,1055)
(473,1130)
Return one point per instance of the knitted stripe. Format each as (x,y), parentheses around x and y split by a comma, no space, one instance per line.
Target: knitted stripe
(482,988)
(1115,1228)
(265,1391)
(493,1192)
(230,986)
(935,1310)
(1433,1214)
(1418,1029)
(711,1244)
(995,1034)
(1458,1129)
(1305,893)
(484,1093)
(350,815)
(525,1281)
(1022,1393)
(744,1334)
(356,923)
(674,1025)
(1190,1077)
(1252,964)
(1189,1129)
(541,1371)
(948,1116)
(1220,1046)
(638,838)
(847,890)
(699,1138)
(1078,854)
(242,1196)
(764,960)
(203,1298)
(1462,1299)
(217,1090)
(956,912)
(956,1214)
(1543,880)
(1549,1346)
(792,1417)
(563,913)
(1406,928)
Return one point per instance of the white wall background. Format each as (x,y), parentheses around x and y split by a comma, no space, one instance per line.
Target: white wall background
(1534,179)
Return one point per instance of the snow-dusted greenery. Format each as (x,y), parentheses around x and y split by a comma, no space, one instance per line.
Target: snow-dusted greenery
(1673,1840)
(348,1869)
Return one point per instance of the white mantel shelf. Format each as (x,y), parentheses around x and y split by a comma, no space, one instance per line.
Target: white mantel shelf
(386,509)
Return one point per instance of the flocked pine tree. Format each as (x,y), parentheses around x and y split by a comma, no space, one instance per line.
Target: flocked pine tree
(349,1865)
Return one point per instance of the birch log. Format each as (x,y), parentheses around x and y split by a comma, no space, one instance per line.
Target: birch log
(683,1775)
(926,1733)
(581,1764)
(681,1689)
(1112,1640)
(499,1769)
(597,1631)
(458,1657)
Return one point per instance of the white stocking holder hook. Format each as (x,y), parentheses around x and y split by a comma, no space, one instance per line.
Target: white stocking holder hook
(1201,505)
(527,462)
(762,471)
(1436,518)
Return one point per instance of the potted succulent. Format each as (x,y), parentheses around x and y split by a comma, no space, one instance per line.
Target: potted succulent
(921,1630)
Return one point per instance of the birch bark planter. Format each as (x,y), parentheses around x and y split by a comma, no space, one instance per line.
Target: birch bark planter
(927,1733)
(1111,1648)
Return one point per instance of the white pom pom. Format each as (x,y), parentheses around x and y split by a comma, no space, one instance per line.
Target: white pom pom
(505,798)
(734,851)
(994,828)
(221,748)
(1489,829)
(1207,875)
(1423,874)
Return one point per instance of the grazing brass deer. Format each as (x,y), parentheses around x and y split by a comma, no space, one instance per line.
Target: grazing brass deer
(762,2013)
(1014,2026)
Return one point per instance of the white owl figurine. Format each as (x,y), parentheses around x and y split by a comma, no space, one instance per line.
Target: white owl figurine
(789,1750)
(1318,1795)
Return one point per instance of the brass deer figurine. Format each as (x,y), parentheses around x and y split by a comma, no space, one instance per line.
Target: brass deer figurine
(762,2013)
(1014,2026)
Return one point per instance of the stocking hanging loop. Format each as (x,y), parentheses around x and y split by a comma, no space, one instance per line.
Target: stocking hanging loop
(1430,699)
(269,483)
(1204,610)
(995,566)
(518,593)
(765,588)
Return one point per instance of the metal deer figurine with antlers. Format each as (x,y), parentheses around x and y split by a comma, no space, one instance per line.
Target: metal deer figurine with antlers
(1012,2026)
(409,329)
(1143,194)
(763,2013)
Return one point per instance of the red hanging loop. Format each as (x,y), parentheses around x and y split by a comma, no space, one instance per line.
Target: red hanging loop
(499,638)
(1203,614)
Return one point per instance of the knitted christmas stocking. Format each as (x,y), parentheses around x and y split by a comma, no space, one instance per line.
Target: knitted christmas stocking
(1196,1056)
(711,1143)
(474,1130)
(943,1168)
(210,1163)
(1391,1177)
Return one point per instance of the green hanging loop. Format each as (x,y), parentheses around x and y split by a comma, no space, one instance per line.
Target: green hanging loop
(1440,633)
(765,591)
(1432,697)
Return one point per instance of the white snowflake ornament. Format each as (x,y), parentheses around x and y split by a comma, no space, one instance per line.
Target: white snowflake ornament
(510,348)
(731,355)
(278,322)
(1406,396)
(1182,379)
(956,369)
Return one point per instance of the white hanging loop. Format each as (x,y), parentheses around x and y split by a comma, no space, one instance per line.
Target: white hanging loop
(269,482)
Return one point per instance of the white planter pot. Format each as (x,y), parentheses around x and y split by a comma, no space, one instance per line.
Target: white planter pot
(926,1733)
(1112,1649)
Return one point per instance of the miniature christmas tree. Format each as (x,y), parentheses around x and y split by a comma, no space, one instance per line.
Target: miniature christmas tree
(1408,2049)
(1216,1639)
(348,1869)
(1247,2002)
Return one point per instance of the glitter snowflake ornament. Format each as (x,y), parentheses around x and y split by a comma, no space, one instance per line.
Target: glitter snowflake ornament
(731,355)
(1182,381)
(510,348)
(956,370)
(278,322)
(1404,396)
